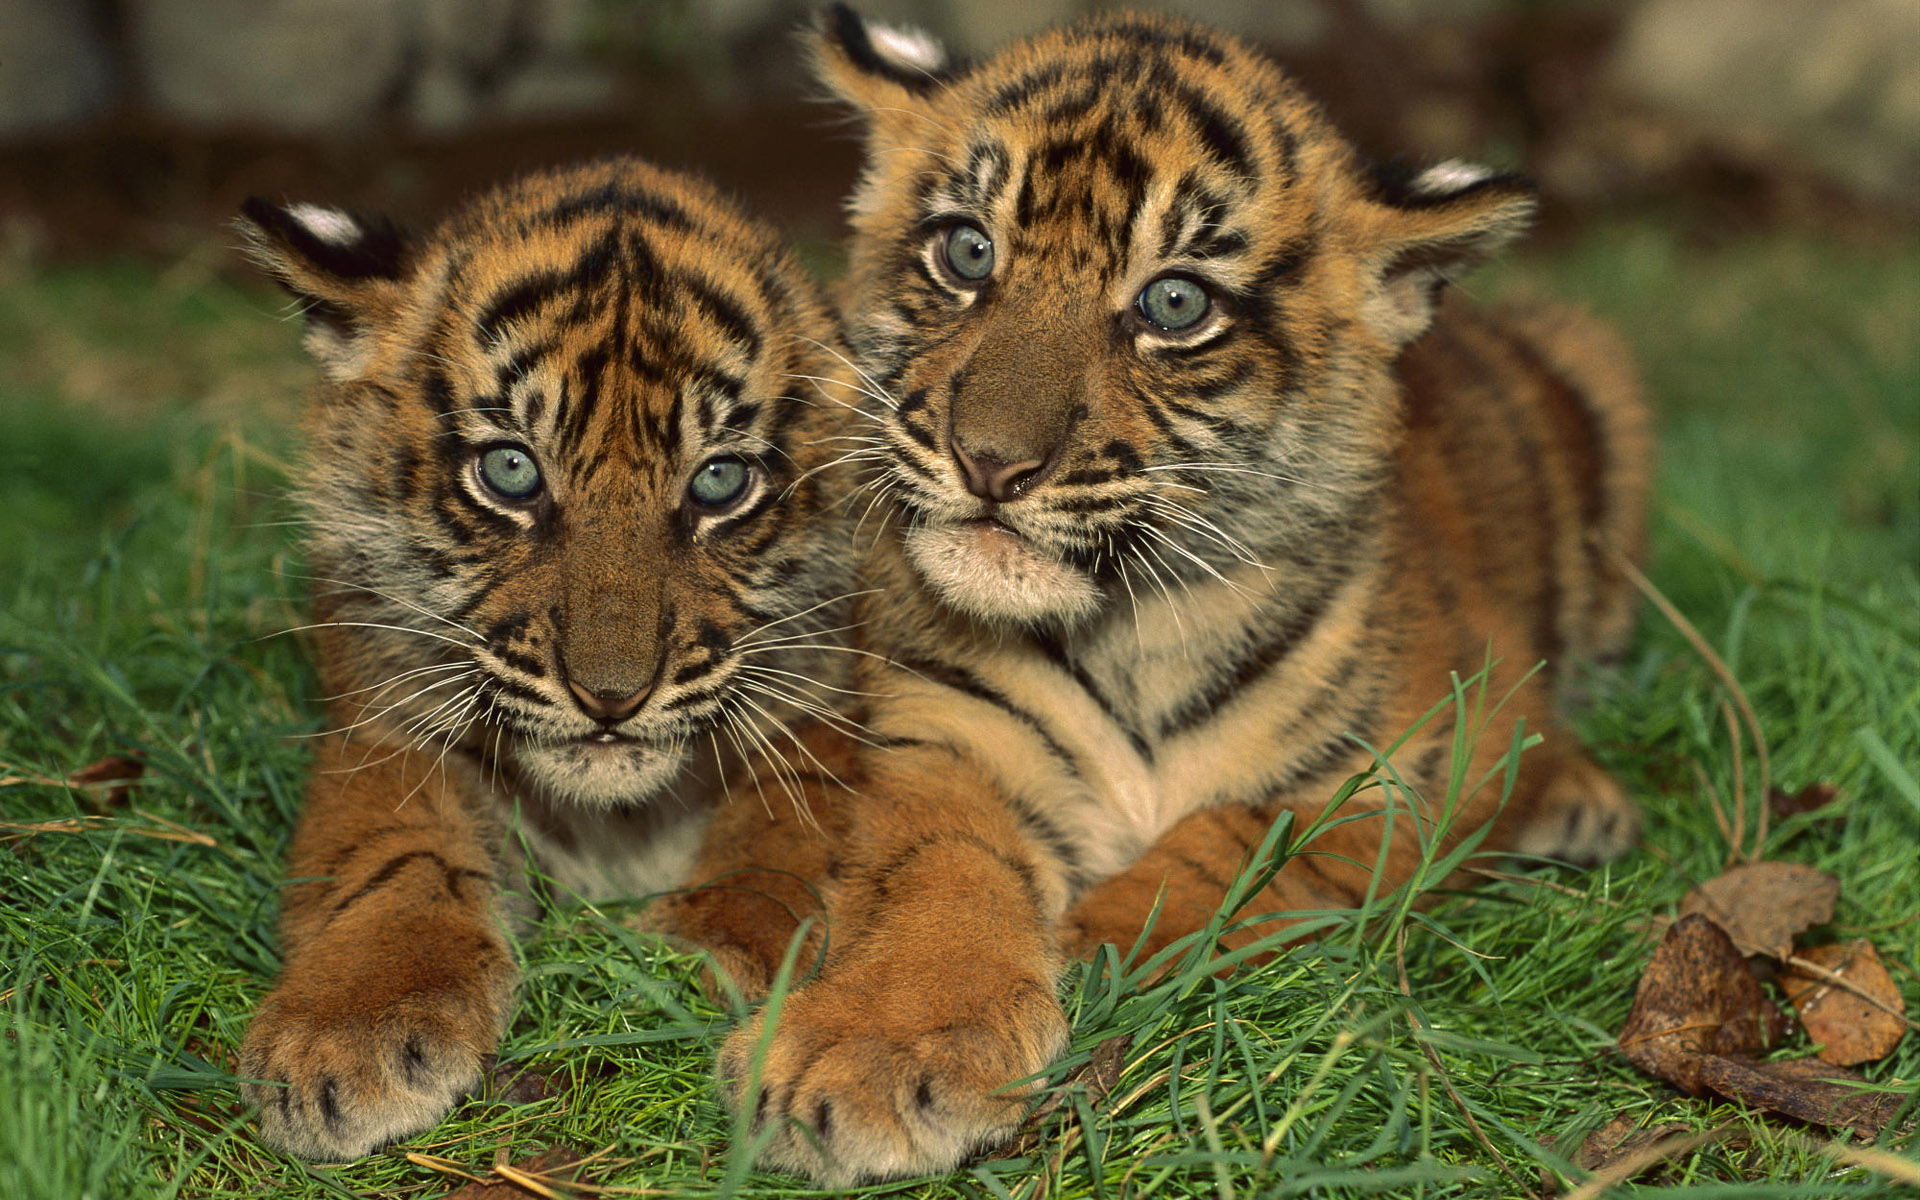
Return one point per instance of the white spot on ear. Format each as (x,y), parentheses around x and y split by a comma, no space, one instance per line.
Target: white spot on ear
(1451,176)
(906,47)
(330,225)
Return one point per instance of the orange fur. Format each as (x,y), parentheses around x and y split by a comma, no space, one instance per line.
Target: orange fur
(1191,477)
(568,526)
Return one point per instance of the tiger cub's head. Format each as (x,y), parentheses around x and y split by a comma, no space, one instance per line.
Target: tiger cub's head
(1133,301)
(563,477)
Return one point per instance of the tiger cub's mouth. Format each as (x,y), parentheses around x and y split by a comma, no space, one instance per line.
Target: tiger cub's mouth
(601,768)
(993,572)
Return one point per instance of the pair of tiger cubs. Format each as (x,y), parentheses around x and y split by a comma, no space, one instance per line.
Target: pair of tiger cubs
(1182,480)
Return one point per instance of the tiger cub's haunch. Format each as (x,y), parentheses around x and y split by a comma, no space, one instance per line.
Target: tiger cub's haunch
(568,538)
(1198,483)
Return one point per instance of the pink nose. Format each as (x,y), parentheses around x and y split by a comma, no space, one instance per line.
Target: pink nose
(608,708)
(991,479)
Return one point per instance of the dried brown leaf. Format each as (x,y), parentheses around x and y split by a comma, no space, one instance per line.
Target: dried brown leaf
(516,1084)
(1097,1076)
(1784,804)
(1697,997)
(1851,1029)
(1763,905)
(1104,1067)
(1618,1139)
(1804,1090)
(108,781)
(1642,1159)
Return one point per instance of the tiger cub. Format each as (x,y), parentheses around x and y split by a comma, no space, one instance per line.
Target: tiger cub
(572,550)
(1198,482)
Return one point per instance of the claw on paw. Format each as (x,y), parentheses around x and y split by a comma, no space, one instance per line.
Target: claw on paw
(852,1088)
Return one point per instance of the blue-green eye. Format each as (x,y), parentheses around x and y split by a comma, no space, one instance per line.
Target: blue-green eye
(510,471)
(969,252)
(719,482)
(1173,302)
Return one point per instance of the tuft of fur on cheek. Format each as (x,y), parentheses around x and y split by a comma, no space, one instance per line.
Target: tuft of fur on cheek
(600,776)
(998,579)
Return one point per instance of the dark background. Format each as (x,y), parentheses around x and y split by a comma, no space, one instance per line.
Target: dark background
(138,125)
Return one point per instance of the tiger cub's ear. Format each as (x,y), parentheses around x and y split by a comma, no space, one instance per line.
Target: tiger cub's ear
(1429,227)
(874,67)
(345,270)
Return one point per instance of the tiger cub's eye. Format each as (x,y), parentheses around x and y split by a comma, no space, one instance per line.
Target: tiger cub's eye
(1173,302)
(969,252)
(718,482)
(510,471)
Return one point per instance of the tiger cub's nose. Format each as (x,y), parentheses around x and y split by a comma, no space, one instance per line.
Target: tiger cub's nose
(608,708)
(992,478)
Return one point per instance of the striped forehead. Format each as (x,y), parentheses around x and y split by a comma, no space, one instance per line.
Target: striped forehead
(625,339)
(1143,138)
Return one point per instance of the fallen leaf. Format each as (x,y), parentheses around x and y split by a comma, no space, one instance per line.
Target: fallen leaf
(1095,1077)
(1784,804)
(512,1084)
(108,780)
(1763,905)
(1850,1029)
(1803,1089)
(1619,1138)
(1104,1067)
(1697,997)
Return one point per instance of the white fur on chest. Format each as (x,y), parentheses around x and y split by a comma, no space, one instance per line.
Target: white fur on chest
(1123,786)
(628,853)
(599,853)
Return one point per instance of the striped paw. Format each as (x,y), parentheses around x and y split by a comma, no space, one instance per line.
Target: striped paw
(1583,817)
(346,1057)
(865,1078)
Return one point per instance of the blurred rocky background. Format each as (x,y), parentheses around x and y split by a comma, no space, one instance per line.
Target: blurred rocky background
(138,125)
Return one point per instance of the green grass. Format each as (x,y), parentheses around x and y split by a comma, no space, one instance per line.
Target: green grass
(145,564)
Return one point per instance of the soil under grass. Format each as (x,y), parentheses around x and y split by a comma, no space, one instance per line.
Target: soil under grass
(147,564)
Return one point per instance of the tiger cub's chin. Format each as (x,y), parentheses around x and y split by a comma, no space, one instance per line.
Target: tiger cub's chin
(991,573)
(599,774)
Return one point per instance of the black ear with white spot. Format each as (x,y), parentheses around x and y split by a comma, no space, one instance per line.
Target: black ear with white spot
(874,66)
(1433,225)
(344,269)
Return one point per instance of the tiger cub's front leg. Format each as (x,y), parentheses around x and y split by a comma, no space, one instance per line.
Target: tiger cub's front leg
(1565,807)
(768,859)
(937,996)
(397,978)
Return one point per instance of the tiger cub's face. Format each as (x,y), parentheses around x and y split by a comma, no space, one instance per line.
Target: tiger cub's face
(1132,303)
(562,490)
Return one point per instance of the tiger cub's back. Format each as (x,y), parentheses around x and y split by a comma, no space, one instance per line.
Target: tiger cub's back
(1525,472)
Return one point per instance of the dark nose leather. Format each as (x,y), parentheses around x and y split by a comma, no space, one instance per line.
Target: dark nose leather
(608,709)
(992,479)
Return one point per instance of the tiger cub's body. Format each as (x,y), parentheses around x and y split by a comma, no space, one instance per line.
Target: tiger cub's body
(1197,485)
(571,559)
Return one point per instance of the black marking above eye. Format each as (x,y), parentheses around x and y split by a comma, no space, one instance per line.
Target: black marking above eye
(510,472)
(1174,302)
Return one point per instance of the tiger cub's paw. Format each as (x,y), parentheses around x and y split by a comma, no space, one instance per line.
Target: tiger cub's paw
(868,1075)
(364,1062)
(1583,817)
(746,929)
